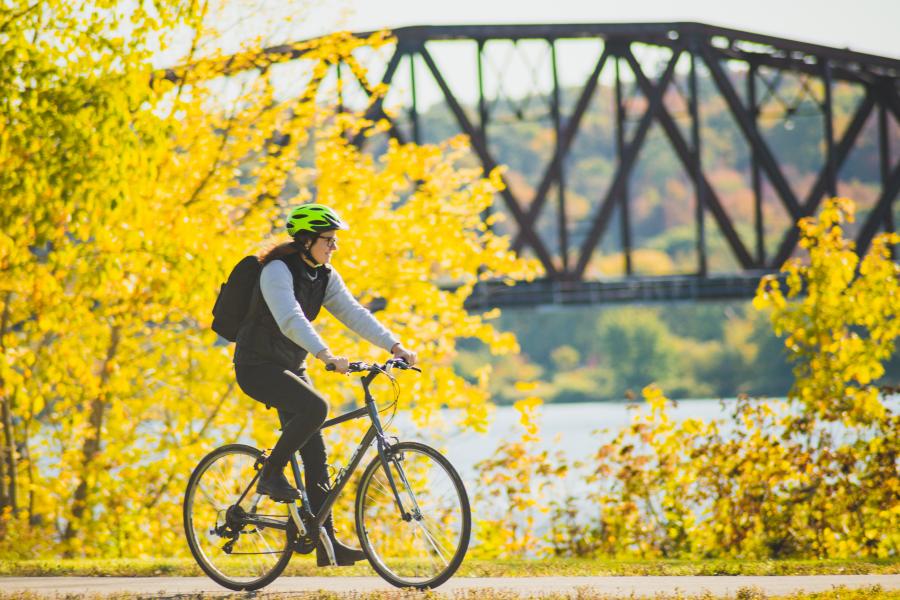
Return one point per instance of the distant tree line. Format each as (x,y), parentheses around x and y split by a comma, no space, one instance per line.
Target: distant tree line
(585,354)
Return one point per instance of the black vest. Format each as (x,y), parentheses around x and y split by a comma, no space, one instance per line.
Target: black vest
(259,339)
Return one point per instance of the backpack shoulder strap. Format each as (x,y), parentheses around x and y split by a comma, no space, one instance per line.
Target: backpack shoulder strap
(256,294)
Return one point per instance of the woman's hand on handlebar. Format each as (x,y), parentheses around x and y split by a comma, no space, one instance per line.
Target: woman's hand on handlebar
(400,352)
(334,363)
(341,364)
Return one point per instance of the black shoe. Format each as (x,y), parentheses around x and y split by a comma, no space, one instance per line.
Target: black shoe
(343,555)
(276,487)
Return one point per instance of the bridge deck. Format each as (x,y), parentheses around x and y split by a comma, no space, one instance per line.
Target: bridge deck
(629,289)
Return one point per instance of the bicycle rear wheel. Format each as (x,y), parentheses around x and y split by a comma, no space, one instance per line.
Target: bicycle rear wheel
(425,546)
(234,551)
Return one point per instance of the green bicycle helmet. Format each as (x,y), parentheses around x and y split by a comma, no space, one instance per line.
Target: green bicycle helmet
(313,218)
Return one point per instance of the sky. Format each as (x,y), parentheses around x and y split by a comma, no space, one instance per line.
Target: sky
(871,26)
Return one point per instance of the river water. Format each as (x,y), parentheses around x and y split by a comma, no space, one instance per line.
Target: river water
(575,429)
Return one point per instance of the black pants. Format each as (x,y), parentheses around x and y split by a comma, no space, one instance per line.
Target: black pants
(302,410)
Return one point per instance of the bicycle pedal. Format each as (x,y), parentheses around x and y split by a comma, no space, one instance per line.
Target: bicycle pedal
(281,500)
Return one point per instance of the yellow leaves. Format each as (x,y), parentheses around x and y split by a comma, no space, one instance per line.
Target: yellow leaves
(866,406)
(876,444)
(768,292)
(653,395)
(527,409)
(513,486)
(477,416)
(842,326)
(692,426)
(495,177)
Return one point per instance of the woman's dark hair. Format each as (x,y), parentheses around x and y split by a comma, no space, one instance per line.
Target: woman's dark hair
(285,249)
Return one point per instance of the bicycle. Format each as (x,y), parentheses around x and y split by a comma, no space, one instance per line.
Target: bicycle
(412,512)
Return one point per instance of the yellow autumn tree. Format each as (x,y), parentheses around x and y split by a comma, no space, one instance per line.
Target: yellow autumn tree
(841,318)
(127,197)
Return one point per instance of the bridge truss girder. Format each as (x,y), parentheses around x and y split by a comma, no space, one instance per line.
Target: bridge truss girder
(878,75)
(704,45)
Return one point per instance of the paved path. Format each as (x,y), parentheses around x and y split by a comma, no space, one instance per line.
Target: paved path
(159,587)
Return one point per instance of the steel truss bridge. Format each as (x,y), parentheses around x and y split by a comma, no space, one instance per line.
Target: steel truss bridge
(755,78)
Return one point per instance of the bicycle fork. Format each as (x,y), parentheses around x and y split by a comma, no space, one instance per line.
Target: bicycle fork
(385,463)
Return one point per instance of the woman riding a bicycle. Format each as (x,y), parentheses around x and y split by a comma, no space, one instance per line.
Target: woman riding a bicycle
(275,339)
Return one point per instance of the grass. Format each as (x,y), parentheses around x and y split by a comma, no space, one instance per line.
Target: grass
(565,567)
(871,593)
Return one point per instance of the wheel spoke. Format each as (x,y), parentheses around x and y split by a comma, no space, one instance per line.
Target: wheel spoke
(383,488)
(430,539)
(429,555)
(209,498)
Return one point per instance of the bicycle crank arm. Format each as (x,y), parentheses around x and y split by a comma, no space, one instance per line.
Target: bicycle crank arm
(329,549)
(298,522)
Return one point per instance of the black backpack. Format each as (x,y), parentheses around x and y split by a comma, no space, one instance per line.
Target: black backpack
(233,302)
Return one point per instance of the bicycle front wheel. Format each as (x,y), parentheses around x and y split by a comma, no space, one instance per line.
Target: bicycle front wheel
(423,545)
(241,545)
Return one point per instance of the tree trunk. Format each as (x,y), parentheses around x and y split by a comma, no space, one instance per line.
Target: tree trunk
(8,497)
(8,448)
(91,446)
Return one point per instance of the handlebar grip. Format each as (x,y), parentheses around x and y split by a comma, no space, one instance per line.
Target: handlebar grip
(330,367)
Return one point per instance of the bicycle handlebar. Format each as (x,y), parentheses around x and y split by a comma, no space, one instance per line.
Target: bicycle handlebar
(363,367)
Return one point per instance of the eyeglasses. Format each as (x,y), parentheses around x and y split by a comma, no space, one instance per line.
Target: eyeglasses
(331,242)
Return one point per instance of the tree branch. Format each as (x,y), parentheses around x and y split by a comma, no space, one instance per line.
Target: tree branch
(18,15)
(91,446)
(194,439)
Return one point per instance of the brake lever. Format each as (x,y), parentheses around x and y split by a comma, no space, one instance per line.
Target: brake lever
(403,365)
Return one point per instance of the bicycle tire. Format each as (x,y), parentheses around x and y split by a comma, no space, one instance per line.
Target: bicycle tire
(191,533)
(387,562)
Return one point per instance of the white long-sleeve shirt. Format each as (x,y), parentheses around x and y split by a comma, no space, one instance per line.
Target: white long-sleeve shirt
(277,287)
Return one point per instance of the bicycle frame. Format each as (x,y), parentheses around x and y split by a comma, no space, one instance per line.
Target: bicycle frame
(374,433)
